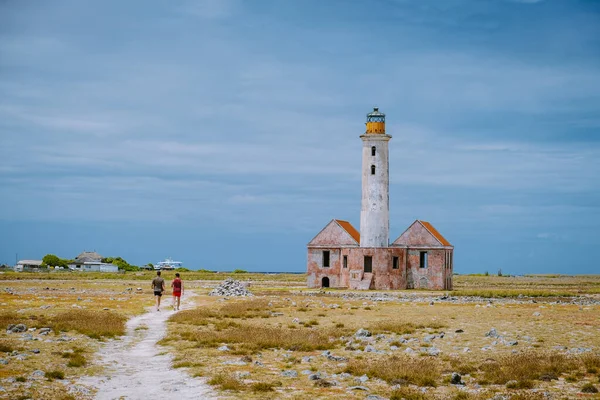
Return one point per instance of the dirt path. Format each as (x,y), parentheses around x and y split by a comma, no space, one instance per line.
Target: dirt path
(135,367)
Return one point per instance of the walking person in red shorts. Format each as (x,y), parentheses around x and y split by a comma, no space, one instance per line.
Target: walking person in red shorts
(177,286)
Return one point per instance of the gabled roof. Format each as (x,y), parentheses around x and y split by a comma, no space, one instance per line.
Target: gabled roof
(435,233)
(350,229)
(421,233)
(336,233)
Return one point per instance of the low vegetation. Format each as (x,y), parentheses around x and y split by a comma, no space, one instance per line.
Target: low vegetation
(401,327)
(399,370)
(95,324)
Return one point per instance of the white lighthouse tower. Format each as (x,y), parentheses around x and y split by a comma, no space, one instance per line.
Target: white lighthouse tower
(375,206)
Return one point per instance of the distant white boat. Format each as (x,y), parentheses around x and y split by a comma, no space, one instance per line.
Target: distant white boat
(168,264)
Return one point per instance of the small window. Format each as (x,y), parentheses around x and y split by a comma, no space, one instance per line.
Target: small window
(368,264)
(345,261)
(325,258)
(395,262)
(372,170)
(423,260)
(373,151)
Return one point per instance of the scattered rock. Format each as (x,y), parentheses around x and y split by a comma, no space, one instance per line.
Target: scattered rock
(366,389)
(336,358)
(314,377)
(3,361)
(18,328)
(374,397)
(37,374)
(362,333)
(492,333)
(289,374)
(458,331)
(223,348)
(234,362)
(35,351)
(456,379)
(44,331)
(231,288)
(362,379)
(433,351)
(537,314)
(324,383)
(370,349)
(306,359)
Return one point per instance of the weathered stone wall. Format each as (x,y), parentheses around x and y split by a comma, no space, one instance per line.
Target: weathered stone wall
(316,272)
(432,277)
(385,277)
(409,275)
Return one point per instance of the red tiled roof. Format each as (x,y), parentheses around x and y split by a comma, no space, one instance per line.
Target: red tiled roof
(350,229)
(435,233)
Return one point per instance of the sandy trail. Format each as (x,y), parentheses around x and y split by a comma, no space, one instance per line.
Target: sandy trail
(135,367)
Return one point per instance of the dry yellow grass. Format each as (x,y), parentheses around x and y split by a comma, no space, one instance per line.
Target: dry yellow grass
(401,327)
(529,366)
(254,337)
(95,324)
(400,370)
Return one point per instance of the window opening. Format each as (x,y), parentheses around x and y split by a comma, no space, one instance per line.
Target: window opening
(373,151)
(345,261)
(372,170)
(368,264)
(395,262)
(325,258)
(325,282)
(423,260)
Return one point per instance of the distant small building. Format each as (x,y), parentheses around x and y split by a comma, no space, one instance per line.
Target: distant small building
(94,266)
(24,265)
(90,261)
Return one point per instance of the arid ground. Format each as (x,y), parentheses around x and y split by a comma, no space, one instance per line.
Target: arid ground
(533,337)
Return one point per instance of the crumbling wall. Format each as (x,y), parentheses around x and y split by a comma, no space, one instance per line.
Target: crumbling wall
(316,271)
(432,277)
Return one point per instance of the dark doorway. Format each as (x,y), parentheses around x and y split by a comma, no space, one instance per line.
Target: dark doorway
(325,282)
(368,264)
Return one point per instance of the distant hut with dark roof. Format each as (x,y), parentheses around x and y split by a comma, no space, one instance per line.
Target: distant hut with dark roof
(340,256)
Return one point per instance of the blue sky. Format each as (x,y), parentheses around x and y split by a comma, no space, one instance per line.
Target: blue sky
(225,133)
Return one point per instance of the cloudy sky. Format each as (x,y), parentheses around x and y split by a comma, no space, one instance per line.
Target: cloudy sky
(225,133)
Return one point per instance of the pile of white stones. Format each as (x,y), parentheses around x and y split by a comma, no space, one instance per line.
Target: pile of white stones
(231,288)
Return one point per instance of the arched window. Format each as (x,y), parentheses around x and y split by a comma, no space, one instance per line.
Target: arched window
(373,151)
(372,170)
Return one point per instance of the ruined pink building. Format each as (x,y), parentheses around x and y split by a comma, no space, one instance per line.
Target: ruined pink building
(340,256)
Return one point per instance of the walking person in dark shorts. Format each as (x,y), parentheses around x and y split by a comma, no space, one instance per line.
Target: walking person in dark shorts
(158,285)
(177,286)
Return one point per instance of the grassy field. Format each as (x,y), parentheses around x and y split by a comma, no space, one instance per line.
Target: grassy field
(546,336)
(272,334)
